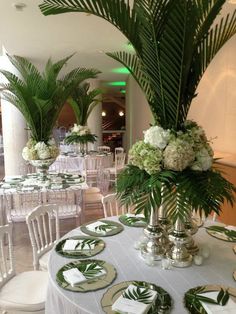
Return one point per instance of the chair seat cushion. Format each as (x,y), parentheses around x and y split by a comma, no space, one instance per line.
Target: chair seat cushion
(43,261)
(25,292)
(114,170)
(92,190)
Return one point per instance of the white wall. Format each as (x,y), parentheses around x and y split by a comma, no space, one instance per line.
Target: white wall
(215,106)
(138,113)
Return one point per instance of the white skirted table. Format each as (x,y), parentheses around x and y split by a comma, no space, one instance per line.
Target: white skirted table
(75,163)
(120,252)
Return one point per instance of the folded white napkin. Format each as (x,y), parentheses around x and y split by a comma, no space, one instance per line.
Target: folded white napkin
(56,186)
(133,215)
(233,228)
(72,245)
(92,227)
(28,188)
(229,308)
(124,305)
(73,276)
(12,178)
(6,185)
(30,182)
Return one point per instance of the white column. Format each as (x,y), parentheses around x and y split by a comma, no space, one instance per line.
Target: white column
(138,113)
(14,129)
(95,118)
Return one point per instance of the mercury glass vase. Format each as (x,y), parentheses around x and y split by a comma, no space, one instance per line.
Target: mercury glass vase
(157,238)
(192,228)
(42,166)
(178,253)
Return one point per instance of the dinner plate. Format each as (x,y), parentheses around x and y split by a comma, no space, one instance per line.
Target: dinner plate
(99,245)
(133,221)
(93,283)
(118,228)
(192,299)
(162,303)
(222,233)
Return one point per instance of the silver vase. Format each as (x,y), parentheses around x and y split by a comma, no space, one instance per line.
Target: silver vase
(191,228)
(178,253)
(42,166)
(155,245)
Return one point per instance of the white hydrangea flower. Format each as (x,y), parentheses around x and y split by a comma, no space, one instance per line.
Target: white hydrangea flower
(25,153)
(203,160)
(76,128)
(157,137)
(178,155)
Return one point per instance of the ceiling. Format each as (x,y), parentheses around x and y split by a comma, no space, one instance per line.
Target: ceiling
(30,34)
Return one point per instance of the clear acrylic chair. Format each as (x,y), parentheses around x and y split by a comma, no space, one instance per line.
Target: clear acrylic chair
(19,205)
(44,231)
(16,293)
(118,167)
(68,202)
(119,150)
(103,181)
(104,148)
(92,165)
(112,206)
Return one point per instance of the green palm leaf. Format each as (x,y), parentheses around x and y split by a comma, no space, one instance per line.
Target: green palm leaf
(40,98)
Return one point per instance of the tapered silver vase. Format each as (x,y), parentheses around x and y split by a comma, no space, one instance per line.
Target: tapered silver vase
(157,238)
(178,253)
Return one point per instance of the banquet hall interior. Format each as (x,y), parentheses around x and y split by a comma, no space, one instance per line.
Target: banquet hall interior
(80,189)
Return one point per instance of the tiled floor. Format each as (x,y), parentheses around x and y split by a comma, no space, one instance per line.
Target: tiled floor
(21,243)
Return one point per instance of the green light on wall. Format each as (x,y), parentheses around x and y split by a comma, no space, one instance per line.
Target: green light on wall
(123,91)
(121,70)
(117,83)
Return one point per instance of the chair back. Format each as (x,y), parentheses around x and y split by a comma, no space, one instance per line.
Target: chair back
(43,226)
(104,181)
(112,207)
(20,204)
(68,202)
(119,150)
(7,270)
(120,160)
(104,149)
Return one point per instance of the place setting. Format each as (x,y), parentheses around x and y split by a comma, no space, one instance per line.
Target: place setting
(133,220)
(225,233)
(137,297)
(79,247)
(86,275)
(211,299)
(102,228)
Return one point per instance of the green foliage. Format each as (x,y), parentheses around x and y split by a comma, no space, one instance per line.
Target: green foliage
(83,102)
(75,138)
(230,234)
(138,294)
(193,299)
(178,191)
(40,97)
(174,42)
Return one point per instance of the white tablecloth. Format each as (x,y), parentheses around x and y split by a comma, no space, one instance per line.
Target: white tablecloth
(120,252)
(76,163)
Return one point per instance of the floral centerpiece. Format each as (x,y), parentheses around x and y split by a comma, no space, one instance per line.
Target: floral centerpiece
(40,98)
(40,151)
(173,44)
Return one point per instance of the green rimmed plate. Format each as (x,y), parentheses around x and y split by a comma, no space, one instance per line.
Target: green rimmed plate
(93,283)
(115,228)
(133,221)
(192,299)
(99,246)
(162,305)
(222,233)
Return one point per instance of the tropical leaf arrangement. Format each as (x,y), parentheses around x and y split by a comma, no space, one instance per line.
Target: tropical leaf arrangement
(41,96)
(138,294)
(194,297)
(83,101)
(174,42)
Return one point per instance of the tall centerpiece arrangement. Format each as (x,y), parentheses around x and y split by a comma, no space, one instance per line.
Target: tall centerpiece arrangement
(40,98)
(82,101)
(174,42)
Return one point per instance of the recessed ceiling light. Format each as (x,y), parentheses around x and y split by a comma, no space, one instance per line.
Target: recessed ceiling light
(19,6)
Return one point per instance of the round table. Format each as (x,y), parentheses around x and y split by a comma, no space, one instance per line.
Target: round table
(120,252)
(75,163)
